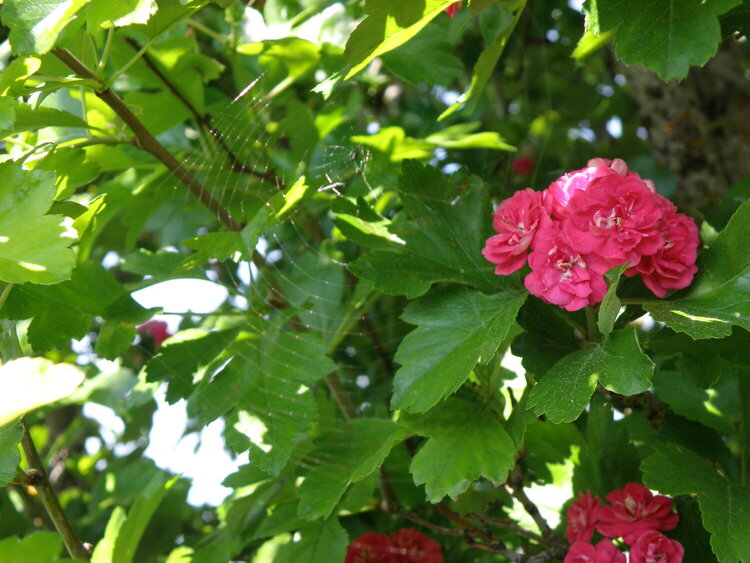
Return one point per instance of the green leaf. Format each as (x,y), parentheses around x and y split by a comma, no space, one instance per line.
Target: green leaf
(666,37)
(65,310)
(34,247)
(487,61)
(32,119)
(466,442)
(619,364)
(720,295)
(14,75)
(357,449)
(103,13)
(456,328)
(725,507)
(10,436)
(388,24)
(610,306)
(39,547)
(442,241)
(123,532)
(323,541)
(114,338)
(181,358)
(716,409)
(277,411)
(29,383)
(35,24)
(7,112)
(426,58)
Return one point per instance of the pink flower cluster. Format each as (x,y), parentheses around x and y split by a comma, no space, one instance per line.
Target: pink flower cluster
(587,222)
(635,515)
(405,546)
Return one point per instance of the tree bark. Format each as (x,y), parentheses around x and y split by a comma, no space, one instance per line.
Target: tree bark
(698,128)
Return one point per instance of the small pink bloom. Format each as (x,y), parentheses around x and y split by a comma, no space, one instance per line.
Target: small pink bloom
(616,217)
(634,509)
(673,265)
(523,165)
(562,189)
(603,552)
(560,274)
(452,9)
(371,548)
(157,330)
(653,547)
(516,221)
(582,517)
(412,546)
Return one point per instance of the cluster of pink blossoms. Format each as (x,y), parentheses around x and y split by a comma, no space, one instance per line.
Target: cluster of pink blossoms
(635,515)
(587,222)
(405,546)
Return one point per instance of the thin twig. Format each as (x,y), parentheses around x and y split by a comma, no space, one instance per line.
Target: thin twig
(515,483)
(507,525)
(146,141)
(235,163)
(37,477)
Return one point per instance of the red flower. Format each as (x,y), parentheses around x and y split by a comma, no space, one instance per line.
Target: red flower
(673,265)
(653,547)
(603,552)
(523,165)
(371,548)
(405,546)
(157,330)
(452,9)
(516,220)
(615,217)
(414,547)
(582,518)
(562,275)
(634,510)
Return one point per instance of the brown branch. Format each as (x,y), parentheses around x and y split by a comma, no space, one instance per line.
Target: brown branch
(507,525)
(37,478)
(235,162)
(515,484)
(146,141)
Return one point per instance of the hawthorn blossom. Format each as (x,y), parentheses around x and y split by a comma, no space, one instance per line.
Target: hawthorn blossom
(157,330)
(371,548)
(414,547)
(405,546)
(616,217)
(634,510)
(673,265)
(582,518)
(653,547)
(603,552)
(516,221)
(560,274)
(452,9)
(523,165)
(561,190)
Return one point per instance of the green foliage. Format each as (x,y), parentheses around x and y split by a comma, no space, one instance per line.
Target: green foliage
(358,364)
(719,297)
(456,329)
(10,436)
(618,364)
(33,246)
(725,507)
(466,442)
(32,383)
(356,449)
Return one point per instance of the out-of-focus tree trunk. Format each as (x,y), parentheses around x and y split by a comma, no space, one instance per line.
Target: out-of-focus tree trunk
(699,128)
